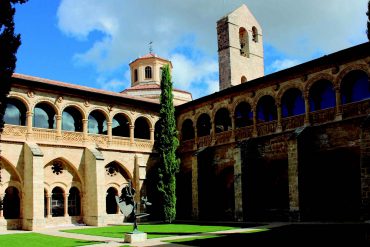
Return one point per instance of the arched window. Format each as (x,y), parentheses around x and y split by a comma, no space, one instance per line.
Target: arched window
(71,119)
(148,72)
(57,202)
(135,75)
(355,87)
(292,103)
(266,109)
(322,95)
(203,125)
(44,116)
(74,202)
(243,115)
(15,112)
(187,130)
(120,126)
(243,40)
(11,203)
(142,130)
(243,79)
(110,201)
(255,34)
(97,123)
(222,120)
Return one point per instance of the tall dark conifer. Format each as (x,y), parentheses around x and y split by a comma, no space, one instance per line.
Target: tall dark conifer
(9,43)
(167,145)
(368,20)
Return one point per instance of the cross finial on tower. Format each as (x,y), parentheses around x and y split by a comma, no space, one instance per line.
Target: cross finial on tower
(151,47)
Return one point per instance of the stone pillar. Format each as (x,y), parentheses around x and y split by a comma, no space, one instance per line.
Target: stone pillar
(33,206)
(152,135)
(85,128)
(213,130)
(338,104)
(132,134)
(48,198)
(307,110)
(232,117)
(194,182)
(66,204)
(254,133)
(238,192)
(365,169)
(195,137)
(109,132)
(279,127)
(29,115)
(95,194)
(293,177)
(59,126)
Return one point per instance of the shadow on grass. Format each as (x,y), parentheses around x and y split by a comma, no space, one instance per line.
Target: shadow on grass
(292,235)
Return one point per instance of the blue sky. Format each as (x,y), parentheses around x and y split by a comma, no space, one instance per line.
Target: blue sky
(91,42)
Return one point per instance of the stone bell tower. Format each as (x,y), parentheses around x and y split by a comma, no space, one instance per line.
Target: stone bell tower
(240,48)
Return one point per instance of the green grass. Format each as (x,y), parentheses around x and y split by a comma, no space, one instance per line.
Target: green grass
(40,240)
(153,231)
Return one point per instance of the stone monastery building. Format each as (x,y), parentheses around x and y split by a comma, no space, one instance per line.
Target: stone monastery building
(292,145)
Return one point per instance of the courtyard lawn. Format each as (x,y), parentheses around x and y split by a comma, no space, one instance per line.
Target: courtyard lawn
(153,231)
(40,240)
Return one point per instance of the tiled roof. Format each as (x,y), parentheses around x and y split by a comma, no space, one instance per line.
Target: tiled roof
(78,87)
(151,55)
(151,86)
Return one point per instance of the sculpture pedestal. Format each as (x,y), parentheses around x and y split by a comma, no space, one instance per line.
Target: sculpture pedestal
(135,237)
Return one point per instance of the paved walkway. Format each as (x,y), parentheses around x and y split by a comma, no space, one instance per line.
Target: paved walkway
(112,242)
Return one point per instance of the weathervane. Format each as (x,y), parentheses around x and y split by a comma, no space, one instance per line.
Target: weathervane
(151,47)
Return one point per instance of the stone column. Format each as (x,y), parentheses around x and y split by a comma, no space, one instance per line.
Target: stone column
(279,127)
(132,134)
(29,115)
(194,182)
(152,135)
(85,128)
(109,132)
(48,198)
(232,117)
(238,192)
(33,206)
(254,133)
(213,130)
(338,104)
(195,137)
(293,161)
(307,110)
(365,169)
(66,204)
(59,126)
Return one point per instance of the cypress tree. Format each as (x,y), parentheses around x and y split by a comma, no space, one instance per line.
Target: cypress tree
(9,43)
(166,146)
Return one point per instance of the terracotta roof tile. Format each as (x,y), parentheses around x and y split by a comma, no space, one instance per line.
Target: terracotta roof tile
(152,86)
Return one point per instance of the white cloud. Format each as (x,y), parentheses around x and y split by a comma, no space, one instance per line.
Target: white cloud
(282,64)
(296,28)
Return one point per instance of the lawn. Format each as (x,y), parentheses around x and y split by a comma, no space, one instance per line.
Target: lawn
(153,231)
(40,240)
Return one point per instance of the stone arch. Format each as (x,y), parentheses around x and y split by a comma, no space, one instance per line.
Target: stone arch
(321,95)
(61,185)
(77,106)
(222,120)
(355,86)
(12,170)
(261,94)
(126,114)
(243,114)
(101,122)
(75,117)
(254,34)
(187,129)
(121,123)
(117,186)
(123,167)
(285,88)
(348,69)
(220,106)
(204,125)
(240,100)
(48,102)
(266,108)
(140,130)
(203,110)
(98,108)
(318,77)
(76,177)
(244,42)
(24,100)
(151,124)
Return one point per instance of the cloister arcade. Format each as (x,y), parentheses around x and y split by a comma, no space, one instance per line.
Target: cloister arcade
(277,107)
